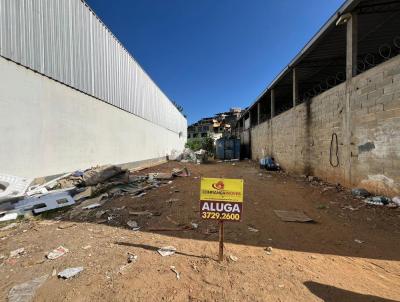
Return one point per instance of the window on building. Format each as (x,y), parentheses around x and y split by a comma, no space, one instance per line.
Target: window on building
(204,135)
(194,135)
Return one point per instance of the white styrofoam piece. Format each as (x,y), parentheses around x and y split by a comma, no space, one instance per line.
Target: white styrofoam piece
(52,200)
(15,186)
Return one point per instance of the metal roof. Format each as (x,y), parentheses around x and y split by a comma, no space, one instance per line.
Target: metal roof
(324,54)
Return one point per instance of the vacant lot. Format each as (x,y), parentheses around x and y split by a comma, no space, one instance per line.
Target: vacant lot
(350,253)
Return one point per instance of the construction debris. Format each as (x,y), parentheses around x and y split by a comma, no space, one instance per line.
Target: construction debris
(44,202)
(98,175)
(160,176)
(181,172)
(178,275)
(132,258)
(251,229)
(41,189)
(293,216)
(233,258)
(25,292)
(92,206)
(90,188)
(360,192)
(70,272)
(13,187)
(8,216)
(166,251)
(132,224)
(141,213)
(17,252)
(188,155)
(378,200)
(57,253)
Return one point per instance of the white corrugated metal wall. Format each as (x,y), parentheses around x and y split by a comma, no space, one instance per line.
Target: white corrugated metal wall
(64,40)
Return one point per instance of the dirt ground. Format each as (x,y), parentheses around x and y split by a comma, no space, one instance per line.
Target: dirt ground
(350,253)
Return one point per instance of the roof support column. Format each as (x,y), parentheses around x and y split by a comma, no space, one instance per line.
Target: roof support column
(351,46)
(272,103)
(258,112)
(295,86)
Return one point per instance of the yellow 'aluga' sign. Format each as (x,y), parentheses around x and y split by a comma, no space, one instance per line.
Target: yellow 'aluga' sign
(221,189)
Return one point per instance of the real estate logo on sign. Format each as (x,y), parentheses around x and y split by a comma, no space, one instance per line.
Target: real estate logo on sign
(221,199)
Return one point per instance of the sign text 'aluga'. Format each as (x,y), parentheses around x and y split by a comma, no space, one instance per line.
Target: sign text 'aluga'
(221,199)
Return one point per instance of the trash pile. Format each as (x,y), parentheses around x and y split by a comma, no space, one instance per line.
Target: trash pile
(188,155)
(91,188)
(269,164)
(367,197)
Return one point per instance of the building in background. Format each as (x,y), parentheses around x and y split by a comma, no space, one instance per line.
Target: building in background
(215,127)
(72,96)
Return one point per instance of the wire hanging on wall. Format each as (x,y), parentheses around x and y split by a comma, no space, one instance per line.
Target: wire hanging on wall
(334,139)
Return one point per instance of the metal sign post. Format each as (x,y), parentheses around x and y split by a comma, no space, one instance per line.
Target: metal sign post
(222,200)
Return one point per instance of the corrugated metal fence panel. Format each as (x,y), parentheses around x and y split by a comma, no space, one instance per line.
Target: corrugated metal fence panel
(64,40)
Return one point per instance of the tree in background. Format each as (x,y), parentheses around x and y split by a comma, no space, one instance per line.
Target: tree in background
(205,143)
(179,107)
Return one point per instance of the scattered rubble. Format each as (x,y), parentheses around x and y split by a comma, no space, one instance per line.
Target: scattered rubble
(188,155)
(378,200)
(360,192)
(140,213)
(17,252)
(132,224)
(269,250)
(233,258)
(8,216)
(251,229)
(132,258)
(25,292)
(92,206)
(178,275)
(13,187)
(166,251)
(57,253)
(90,189)
(70,272)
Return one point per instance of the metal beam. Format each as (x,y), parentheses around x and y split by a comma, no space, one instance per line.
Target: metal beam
(351,46)
(295,88)
(272,103)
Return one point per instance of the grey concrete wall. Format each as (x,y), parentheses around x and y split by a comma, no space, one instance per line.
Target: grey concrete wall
(364,112)
(48,128)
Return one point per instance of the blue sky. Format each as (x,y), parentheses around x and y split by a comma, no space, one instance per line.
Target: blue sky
(210,55)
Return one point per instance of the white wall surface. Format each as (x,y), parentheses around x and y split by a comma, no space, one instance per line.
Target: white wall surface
(66,41)
(48,128)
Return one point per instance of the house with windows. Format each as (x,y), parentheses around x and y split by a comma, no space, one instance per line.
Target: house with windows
(216,126)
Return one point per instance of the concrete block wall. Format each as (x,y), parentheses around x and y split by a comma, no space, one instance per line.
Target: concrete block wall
(48,128)
(363,112)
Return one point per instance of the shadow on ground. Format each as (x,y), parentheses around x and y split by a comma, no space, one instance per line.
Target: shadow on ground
(334,294)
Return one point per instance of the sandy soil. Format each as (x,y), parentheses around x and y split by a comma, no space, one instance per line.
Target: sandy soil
(351,252)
